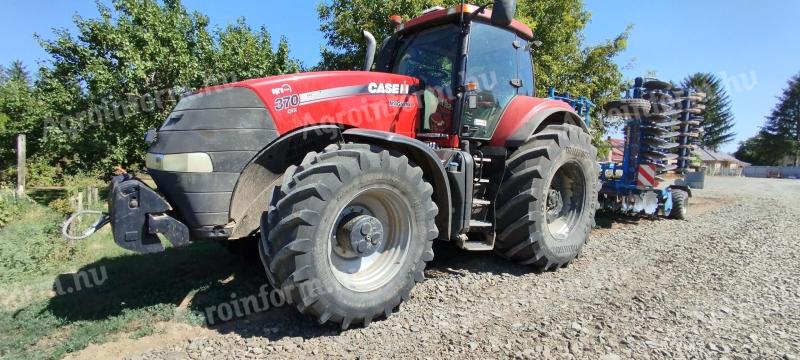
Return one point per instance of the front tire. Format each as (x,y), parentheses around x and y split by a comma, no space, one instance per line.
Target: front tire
(349,232)
(547,202)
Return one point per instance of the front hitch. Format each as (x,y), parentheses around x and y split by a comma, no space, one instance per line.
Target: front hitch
(138,214)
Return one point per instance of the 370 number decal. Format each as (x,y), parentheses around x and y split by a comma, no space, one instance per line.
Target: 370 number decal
(286,102)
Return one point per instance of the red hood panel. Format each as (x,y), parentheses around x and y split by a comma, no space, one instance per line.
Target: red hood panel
(370,100)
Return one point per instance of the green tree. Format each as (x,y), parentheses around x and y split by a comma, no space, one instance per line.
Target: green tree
(17,72)
(342,23)
(122,73)
(779,138)
(718,117)
(783,125)
(759,150)
(19,112)
(245,54)
(563,60)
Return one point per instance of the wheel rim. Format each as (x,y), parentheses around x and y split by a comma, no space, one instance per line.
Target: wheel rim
(385,214)
(565,200)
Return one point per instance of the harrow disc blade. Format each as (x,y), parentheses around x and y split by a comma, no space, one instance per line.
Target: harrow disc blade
(672,123)
(669,167)
(655,154)
(660,108)
(658,97)
(657,85)
(653,141)
(668,113)
(656,130)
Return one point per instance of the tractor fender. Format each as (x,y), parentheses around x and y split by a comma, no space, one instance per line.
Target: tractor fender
(255,184)
(525,115)
(424,157)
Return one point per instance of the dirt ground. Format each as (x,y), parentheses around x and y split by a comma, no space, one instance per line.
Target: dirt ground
(723,284)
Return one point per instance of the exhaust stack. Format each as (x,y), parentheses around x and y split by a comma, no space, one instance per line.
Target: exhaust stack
(371,44)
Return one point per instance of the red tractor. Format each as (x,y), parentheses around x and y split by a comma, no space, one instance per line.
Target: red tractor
(347,178)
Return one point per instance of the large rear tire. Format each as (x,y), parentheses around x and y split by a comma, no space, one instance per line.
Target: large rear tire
(547,202)
(349,232)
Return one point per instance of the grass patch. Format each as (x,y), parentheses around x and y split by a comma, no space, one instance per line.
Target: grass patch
(58,297)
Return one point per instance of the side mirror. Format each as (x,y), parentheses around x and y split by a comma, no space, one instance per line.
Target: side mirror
(503,12)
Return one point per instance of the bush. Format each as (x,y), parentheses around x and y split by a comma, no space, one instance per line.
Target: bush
(10,207)
(32,242)
(61,206)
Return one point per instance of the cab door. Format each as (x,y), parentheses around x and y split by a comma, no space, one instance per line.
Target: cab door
(496,63)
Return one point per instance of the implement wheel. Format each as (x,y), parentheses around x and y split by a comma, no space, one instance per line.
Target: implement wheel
(680,204)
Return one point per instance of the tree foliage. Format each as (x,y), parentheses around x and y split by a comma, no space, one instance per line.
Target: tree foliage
(17,72)
(19,111)
(718,117)
(758,150)
(121,73)
(342,23)
(780,136)
(563,60)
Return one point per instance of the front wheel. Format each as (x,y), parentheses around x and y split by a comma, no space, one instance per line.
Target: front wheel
(349,232)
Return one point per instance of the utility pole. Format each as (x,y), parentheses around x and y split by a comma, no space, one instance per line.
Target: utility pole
(21,166)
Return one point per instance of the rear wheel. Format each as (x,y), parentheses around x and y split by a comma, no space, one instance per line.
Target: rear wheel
(547,202)
(349,233)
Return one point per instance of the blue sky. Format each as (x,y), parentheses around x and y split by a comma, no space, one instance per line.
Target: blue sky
(751,45)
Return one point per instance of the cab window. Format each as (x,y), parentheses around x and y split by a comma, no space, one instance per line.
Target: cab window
(492,63)
(431,57)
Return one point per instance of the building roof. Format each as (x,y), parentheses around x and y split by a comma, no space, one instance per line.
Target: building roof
(708,155)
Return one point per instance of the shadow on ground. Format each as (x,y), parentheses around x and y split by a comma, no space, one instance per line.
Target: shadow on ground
(607,219)
(195,275)
(203,276)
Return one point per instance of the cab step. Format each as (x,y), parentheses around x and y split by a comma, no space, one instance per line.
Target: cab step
(463,242)
(476,246)
(479,203)
(479,224)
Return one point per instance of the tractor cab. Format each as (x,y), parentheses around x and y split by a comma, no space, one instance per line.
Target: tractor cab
(471,63)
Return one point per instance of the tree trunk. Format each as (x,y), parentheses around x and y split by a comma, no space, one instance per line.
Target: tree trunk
(21,166)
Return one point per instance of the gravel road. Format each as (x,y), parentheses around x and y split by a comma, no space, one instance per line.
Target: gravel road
(724,284)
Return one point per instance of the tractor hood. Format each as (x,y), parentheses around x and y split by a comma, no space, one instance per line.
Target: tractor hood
(371,100)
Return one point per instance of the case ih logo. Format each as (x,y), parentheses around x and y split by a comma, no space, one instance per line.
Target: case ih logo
(375,88)
(284,89)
